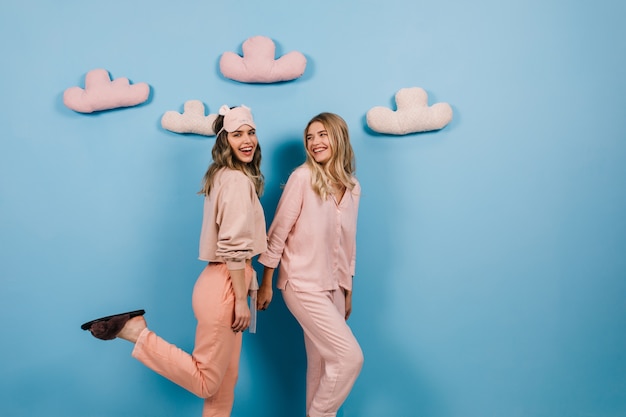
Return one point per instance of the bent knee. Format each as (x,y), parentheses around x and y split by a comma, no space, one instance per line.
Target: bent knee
(208,389)
(354,361)
(205,394)
(360,359)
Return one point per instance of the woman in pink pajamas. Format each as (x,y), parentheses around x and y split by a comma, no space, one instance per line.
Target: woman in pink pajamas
(313,238)
(233,231)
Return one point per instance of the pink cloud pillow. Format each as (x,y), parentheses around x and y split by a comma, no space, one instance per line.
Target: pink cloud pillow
(258,64)
(100,93)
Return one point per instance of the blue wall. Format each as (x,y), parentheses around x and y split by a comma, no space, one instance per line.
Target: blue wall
(491,271)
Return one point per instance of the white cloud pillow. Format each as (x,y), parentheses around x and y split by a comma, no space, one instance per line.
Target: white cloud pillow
(192,120)
(412,115)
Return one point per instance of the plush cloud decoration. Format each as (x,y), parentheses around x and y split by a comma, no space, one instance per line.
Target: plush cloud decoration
(413,114)
(258,64)
(100,93)
(192,120)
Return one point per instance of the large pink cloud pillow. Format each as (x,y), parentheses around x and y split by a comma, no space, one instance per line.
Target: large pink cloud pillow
(259,63)
(100,93)
(413,114)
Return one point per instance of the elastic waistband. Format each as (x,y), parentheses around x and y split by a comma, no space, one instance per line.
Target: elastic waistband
(248,262)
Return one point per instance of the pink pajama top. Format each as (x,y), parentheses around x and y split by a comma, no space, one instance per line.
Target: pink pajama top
(313,240)
(233,225)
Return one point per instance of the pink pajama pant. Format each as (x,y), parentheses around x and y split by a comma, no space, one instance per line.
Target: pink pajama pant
(211,371)
(334,357)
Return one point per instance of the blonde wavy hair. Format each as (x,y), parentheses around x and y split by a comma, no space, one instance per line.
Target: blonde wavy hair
(338,171)
(223,157)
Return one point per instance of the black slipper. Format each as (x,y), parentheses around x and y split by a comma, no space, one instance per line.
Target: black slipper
(107,328)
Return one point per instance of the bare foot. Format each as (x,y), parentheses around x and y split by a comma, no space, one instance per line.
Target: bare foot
(132,329)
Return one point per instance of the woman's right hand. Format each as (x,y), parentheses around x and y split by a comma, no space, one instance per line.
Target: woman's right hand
(264,297)
(265,292)
(241,319)
(242,315)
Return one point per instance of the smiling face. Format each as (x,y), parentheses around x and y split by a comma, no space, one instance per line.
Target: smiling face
(243,142)
(318,143)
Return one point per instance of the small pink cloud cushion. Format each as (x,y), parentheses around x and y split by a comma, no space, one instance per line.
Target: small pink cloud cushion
(192,120)
(258,64)
(100,93)
(412,115)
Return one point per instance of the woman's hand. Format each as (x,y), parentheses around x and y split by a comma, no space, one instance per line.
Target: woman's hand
(348,295)
(242,315)
(265,293)
(264,297)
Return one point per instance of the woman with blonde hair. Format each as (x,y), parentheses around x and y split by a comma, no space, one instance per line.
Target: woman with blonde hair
(233,231)
(313,238)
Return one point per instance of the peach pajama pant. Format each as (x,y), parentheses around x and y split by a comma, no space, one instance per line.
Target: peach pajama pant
(334,357)
(211,371)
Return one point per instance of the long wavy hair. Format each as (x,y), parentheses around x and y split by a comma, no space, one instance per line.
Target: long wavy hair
(223,157)
(338,171)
